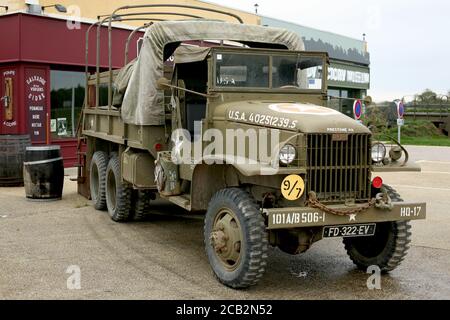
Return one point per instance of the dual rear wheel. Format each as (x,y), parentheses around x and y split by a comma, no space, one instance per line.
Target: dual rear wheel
(108,192)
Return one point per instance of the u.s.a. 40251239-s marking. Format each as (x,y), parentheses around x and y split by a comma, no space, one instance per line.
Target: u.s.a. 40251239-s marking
(262,119)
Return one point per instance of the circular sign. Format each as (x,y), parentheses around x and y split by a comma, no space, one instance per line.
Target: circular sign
(293,187)
(357,109)
(400,109)
(297,108)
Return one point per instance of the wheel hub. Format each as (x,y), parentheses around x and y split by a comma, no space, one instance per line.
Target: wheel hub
(226,239)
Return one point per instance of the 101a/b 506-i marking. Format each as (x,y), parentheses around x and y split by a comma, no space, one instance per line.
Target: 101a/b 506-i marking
(297,218)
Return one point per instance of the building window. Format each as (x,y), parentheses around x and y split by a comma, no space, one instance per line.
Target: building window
(345,102)
(67,97)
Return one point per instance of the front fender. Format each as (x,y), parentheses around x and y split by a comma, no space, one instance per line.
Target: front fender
(249,168)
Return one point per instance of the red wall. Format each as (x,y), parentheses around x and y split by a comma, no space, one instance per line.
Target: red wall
(29,46)
(9,38)
(48,40)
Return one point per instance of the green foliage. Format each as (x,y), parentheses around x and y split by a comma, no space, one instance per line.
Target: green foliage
(428,96)
(376,119)
(418,128)
(441,141)
(431,97)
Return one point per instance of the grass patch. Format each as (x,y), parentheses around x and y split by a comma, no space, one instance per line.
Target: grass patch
(441,141)
(419,129)
(418,133)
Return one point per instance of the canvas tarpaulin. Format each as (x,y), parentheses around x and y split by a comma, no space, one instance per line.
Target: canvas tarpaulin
(143,102)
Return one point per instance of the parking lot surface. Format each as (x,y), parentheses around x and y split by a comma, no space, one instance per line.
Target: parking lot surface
(163,257)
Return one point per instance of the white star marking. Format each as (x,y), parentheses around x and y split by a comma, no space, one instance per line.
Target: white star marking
(352,217)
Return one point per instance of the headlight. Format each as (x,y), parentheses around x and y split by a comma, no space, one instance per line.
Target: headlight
(287,154)
(378,152)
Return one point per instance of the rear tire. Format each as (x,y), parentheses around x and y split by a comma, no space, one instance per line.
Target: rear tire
(97,179)
(141,201)
(387,248)
(236,240)
(118,195)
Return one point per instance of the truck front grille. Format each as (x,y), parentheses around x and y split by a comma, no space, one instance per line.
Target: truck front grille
(339,166)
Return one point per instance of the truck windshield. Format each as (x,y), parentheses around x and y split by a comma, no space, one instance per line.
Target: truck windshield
(252,71)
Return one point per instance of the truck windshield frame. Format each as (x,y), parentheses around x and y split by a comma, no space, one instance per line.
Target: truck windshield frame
(238,69)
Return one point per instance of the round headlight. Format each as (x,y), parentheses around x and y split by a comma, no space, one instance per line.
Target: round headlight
(287,154)
(378,152)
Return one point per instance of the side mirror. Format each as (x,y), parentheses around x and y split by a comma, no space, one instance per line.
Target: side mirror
(162,83)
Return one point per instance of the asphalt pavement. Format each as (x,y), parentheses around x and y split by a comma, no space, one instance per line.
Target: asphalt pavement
(43,245)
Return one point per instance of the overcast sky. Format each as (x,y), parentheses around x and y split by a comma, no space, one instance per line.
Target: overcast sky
(409,40)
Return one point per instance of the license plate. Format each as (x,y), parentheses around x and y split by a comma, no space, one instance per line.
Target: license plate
(358,230)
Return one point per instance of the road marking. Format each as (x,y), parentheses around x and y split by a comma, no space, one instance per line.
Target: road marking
(427,188)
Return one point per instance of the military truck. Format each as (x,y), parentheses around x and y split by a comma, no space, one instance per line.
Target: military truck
(255,84)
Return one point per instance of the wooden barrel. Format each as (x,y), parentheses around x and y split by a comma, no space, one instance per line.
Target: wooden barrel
(43,173)
(12,153)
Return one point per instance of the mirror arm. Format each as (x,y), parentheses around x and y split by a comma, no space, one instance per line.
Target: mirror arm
(190,91)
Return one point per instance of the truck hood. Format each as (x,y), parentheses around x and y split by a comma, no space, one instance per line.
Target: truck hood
(307,118)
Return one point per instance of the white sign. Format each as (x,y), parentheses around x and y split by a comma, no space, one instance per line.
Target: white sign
(53,125)
(61,126)
(342,75)
(400,122)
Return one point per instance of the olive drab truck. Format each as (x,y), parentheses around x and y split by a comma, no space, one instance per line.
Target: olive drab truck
(238,130)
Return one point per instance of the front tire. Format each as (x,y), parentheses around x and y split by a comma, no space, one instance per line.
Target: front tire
(387,248)
(118,195)
(236,240)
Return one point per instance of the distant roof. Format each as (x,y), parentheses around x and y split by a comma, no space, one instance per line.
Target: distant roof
(338,46)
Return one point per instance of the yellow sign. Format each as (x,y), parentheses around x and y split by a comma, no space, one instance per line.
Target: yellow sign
(293,187)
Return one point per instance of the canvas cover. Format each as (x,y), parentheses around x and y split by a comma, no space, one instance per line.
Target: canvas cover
(121,82)
(189,54)
(143,102)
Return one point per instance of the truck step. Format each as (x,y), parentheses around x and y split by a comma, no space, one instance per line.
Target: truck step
(181,201)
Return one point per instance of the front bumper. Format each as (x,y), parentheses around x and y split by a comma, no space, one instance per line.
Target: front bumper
(290,218)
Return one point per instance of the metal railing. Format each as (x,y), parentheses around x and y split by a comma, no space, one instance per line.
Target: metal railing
(133,16)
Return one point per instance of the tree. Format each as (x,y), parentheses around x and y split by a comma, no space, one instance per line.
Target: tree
(428,96)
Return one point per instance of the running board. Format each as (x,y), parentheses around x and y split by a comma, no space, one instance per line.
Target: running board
(181,201)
